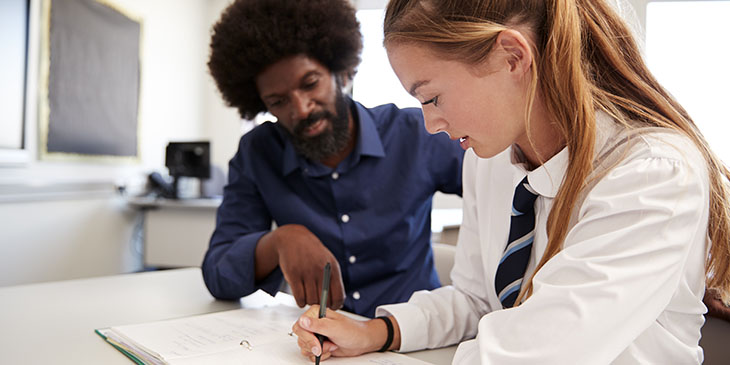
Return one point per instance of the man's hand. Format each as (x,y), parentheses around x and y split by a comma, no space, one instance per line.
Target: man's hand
(715,307)
(301,257)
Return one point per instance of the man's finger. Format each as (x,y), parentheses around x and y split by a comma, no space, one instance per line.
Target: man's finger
(310,287)
(298,292)
(337,289)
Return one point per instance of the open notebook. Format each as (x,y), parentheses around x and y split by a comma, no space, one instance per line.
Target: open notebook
(240,336)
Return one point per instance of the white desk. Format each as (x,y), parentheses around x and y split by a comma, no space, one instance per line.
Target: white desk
(53,323)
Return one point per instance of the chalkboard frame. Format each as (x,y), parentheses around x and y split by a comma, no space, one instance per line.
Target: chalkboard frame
(77,140)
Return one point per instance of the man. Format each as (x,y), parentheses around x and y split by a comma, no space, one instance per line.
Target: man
(344,184)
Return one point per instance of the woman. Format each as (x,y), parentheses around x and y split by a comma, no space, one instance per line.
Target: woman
(596,214)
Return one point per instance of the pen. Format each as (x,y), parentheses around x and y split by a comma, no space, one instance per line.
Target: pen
(323,304)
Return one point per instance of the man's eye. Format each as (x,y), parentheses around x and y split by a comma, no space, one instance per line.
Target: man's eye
(310,85)
(275,103)
(434,100)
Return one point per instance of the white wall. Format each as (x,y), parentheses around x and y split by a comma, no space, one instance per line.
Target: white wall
(55,240)
(52,227)
(223,125)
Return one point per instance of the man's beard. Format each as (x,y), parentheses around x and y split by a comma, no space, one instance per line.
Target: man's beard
(330,141)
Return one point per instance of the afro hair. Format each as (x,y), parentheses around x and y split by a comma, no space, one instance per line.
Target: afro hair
(254,34)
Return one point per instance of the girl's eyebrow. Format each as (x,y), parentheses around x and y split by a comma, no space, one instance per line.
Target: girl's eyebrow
(416,85)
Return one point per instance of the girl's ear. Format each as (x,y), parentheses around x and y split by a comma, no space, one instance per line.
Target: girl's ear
(517,51)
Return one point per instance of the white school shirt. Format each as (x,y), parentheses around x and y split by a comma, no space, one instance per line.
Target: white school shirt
(627,287)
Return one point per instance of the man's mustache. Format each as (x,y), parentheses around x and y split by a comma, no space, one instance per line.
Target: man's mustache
(314,117)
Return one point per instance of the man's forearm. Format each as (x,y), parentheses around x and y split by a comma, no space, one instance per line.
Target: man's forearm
(266,256)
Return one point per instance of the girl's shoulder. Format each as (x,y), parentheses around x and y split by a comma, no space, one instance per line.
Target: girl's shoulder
(619,144)
(642,164)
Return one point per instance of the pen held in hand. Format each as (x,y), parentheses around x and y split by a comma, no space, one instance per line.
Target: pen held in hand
(323,303)
(325,291)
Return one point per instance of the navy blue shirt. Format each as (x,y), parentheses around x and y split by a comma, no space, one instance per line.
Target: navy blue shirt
(372,211)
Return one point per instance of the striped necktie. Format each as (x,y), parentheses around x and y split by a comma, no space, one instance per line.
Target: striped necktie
(511,269)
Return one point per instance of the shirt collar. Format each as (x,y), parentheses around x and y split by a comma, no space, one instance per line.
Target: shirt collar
(547,178)
(290,161)
(368,141)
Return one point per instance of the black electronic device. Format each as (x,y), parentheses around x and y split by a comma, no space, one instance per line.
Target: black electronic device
(157,185)
(189,159)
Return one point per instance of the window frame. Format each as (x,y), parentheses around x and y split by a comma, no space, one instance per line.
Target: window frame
(12,157)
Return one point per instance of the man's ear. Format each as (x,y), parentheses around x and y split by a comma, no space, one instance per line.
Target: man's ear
(344,81)
(516,48)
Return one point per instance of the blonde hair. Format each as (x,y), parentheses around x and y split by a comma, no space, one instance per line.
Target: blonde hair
(586,59)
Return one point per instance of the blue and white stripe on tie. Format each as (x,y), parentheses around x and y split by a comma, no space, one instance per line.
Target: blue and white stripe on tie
(516,256)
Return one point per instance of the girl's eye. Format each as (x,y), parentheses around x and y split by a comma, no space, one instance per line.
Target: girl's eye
(434,100)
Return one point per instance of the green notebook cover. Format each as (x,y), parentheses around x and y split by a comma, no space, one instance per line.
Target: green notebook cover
(102,333)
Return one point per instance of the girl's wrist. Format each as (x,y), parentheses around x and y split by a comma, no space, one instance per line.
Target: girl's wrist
(380,334)
(377,334)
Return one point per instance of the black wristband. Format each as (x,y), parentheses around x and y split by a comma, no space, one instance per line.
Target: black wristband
(389,341)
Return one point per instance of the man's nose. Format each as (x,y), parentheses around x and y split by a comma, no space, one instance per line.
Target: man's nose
(302,106)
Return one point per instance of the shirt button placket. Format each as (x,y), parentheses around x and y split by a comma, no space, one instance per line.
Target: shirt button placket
(344,218)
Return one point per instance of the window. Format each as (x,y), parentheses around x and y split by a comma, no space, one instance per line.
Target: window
(14,48)
(687,49)
(375,82)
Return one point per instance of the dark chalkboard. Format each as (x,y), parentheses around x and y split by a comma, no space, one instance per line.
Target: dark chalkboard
(93,80)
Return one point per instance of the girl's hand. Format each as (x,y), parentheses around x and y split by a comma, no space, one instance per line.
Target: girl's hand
(345,336)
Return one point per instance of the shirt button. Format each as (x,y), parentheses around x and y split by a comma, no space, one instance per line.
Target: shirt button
(353,259)
(335,176)
(345,218)
(356,295)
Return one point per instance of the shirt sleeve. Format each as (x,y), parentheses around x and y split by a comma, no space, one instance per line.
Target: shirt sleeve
(242,219)
(621,265)
(449,314)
